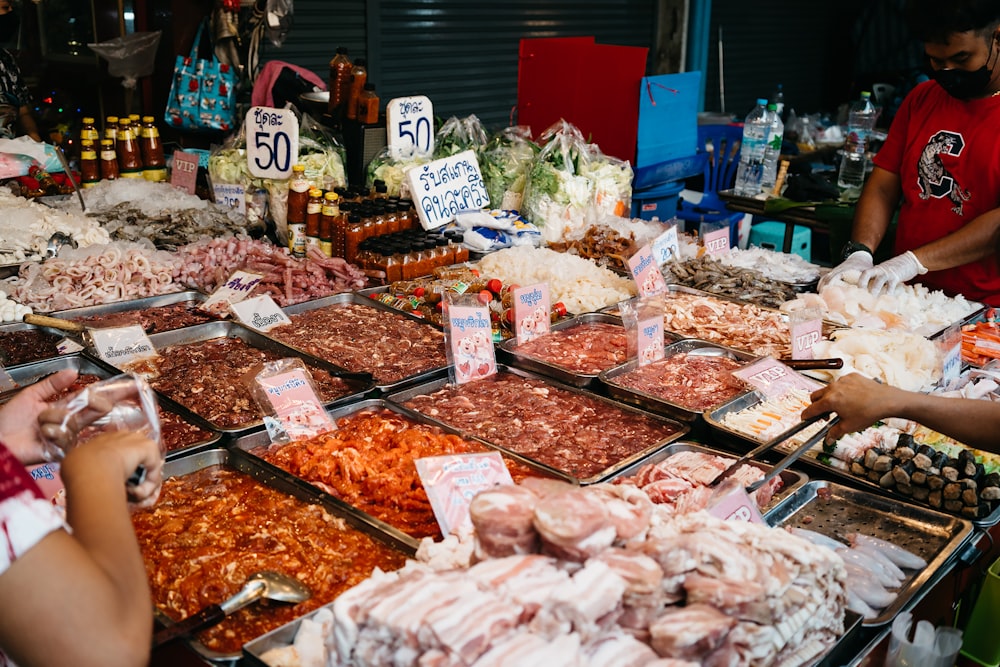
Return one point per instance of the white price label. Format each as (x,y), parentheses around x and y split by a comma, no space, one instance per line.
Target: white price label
(410,125)
(272,142)
(260,313)
(445,187)
(122,346)
(232,291)
(666,246)
(68,346)
(231,196)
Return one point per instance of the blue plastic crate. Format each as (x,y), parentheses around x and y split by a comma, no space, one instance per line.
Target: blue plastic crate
(659,202)
(770,234)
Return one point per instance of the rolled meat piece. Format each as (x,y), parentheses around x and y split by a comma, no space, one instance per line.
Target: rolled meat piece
(689,632)
(503,518)
(574,525)
(629,508)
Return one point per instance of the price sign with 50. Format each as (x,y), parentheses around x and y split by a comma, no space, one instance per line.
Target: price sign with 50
(410,125)
(272,142)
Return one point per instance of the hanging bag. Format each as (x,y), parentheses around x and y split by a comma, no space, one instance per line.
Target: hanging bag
(202,93)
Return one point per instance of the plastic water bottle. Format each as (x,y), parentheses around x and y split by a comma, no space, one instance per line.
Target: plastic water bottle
(779,101)
(751,169)
(772,150)
(854,164)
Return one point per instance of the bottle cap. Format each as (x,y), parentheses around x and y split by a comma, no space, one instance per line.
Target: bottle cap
(330,196)
(148,119)
(112,119)
(761,101)
(315,192)
(866,94)
(360,62)
(771,106)
(87,120)
(298,168)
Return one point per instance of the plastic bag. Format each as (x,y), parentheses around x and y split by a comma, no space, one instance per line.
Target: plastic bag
(129,57)
(285,391)
(279,20)
(391,170)
(459,134)
(634,313)
(124,402)
(505,161)
(930,646)
(556,193)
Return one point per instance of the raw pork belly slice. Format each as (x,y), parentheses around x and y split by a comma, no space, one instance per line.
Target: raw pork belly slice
(574,524)
(690,632)
(503,519)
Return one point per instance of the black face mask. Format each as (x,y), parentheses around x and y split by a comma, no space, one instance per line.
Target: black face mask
(963,84)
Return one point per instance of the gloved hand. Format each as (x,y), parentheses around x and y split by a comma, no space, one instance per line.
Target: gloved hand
(858,262)
(888,275)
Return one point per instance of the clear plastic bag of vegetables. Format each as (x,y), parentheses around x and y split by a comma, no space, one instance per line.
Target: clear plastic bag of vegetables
(391,170)
(557,192)
(612,181)
(459,134)
(505,161)
(322,154)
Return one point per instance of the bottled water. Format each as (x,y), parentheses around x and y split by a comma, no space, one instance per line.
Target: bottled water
(854,164)
(772,149)
(779,100)
(751,169)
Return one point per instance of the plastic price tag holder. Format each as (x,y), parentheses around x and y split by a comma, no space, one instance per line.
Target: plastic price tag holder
(68,346)
(531,312)
(649,343)
(666,246)
(272,142)
(48,479)
(646,272)
(950,345)
(231,196)
(806,329)
(184,174)
(773,378)
(452,481)
(123,346)
(6,381)
(730,502)
(716,241)
(260,313)
(410,125)
(469,340)
(286,394)
(235,289)
(443,188)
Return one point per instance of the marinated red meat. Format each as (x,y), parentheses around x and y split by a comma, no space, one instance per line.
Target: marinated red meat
(369,462)
(744,326)
(570,431)
(27,345)
(586,349)
(212,529)
(365,339)
(691,381)
(208,379)
(153,319)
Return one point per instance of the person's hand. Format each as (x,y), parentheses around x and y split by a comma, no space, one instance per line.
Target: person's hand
(857,400)
(18,417)
(60,425)
(121,452)
(848,270)
(888,275)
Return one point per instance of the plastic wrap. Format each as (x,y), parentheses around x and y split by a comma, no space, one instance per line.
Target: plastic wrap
(459,134)
(288,398)
(505,161)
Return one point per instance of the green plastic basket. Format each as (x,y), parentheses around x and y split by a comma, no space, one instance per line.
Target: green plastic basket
(981,639)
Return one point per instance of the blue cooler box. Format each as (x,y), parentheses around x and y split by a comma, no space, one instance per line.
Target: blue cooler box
(771,235)
(659,202)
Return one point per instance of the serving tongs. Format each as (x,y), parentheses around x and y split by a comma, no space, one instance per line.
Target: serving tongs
(795,364)
(270,585)
(771,444)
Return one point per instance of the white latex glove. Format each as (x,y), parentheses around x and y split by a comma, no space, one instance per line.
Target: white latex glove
(856,263)
(888,275)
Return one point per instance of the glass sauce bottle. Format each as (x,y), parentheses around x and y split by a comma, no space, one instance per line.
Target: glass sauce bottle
(127,148)
(314,209)
(298,200)
(108,160)
(155,164)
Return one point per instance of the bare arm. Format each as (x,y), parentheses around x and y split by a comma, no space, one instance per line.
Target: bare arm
(88,588)
(28,125)
(972,242)
(861,402)
(876,207)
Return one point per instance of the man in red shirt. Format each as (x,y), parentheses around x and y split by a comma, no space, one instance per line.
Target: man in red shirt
(940,160)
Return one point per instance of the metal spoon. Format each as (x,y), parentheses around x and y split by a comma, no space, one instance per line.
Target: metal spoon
(270,585)
(57,241)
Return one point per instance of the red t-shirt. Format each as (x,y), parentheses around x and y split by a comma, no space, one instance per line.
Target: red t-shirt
(946,153)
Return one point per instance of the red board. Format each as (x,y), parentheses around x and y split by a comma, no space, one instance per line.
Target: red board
(593,86)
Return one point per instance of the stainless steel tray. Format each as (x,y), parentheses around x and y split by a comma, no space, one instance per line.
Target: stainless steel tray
(655,403)
(134,304)
(361,383)
(835,510)
(791,480)
(681,429)
(23,326)
(250,442)
(241,462)
(738,439)
(508,352)
(8,270)
(358,299)
(29,374)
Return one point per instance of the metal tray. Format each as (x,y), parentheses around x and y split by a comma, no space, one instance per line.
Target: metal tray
(358,299)
(29,374)
(134,304)
(655,403)
(509,352)
(731,436)
(249,442)
(791,480)
(23,326)
(681,428)
(835,510)
(249,465)
(9,270)
(361,382)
